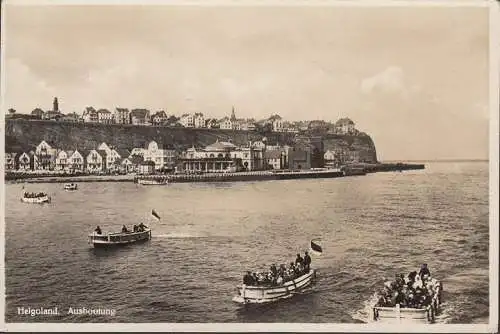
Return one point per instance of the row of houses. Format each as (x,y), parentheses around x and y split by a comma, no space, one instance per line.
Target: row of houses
(142,116)
(219,156)
(102,159)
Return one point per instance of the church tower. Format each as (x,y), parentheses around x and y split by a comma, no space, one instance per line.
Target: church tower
(233,116)
(55,105)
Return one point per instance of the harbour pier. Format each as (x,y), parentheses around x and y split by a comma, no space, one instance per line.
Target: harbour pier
(247,176)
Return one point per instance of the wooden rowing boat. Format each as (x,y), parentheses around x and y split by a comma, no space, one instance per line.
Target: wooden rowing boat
(119,239)
(248,294)
(36,199)
(399,314)
(70,186)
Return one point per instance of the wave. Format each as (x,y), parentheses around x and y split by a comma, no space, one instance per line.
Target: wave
(180,235)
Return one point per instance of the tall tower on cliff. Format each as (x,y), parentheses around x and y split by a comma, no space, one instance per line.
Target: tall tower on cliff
(55,105)
(233,116)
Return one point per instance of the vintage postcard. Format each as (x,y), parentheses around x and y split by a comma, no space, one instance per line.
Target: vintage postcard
(249,166)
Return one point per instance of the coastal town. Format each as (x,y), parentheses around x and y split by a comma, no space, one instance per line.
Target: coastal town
(156,157)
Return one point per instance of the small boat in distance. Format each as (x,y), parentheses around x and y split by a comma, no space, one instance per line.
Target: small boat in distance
(153,182)
(70,186)
(119,238)
(140,233)
(35,198)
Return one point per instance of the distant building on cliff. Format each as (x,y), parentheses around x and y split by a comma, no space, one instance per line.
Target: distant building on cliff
(140,116)
(38,113)
(187,120)
(104,116)
(121,115)
(90,115)
(345,126)
(159,118)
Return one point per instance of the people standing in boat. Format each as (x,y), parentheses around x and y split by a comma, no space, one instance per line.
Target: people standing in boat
(307,262)
(98,230)
(247,279)
(136,228)
(424,270)
(299,259)
(124,229)
(142,227)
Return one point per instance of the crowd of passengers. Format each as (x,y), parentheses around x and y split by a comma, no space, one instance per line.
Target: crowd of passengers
(34,195)
(279,275)
(413,291)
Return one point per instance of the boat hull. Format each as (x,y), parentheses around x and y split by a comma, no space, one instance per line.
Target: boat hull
(70,187)
(410,315)
(118,239)
(263,294)
(396,315)
(36,200)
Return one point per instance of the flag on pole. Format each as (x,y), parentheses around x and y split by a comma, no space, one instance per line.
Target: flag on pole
(157,216)
(316,249)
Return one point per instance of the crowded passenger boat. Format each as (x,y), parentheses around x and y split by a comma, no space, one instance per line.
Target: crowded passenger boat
(40,197)
(415,297)
(277,283)
(139,233)
(70,186)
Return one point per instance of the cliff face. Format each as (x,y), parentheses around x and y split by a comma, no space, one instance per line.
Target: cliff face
(22,135)
(363,144)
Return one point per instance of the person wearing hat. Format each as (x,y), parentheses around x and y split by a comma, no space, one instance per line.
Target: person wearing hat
(299,259)
(424,270)
(247,279)
(307,262)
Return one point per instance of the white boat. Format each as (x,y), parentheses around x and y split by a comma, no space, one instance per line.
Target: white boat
(118,239)
(36,198)
(398,314)
(249,294)
(70,186)
(153,182)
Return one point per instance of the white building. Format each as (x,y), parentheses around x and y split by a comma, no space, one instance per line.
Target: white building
(104,116)
(344,126)
(226,124)
(199,120)
(76,162)
(277,123)
(163,157)
(45,156)
(94,162)
(187,120)
(121,116)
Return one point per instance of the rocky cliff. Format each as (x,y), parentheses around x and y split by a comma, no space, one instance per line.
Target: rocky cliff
(23,135)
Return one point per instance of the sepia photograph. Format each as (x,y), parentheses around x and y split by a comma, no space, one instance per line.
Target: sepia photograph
(251,166)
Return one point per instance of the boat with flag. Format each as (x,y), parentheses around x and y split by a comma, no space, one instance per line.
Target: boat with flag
(277,284)
(140,233)
(35,198)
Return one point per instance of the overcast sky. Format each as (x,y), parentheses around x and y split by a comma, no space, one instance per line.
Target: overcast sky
(414,78)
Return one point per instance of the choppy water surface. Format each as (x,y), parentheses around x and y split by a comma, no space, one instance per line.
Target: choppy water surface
(371,227)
